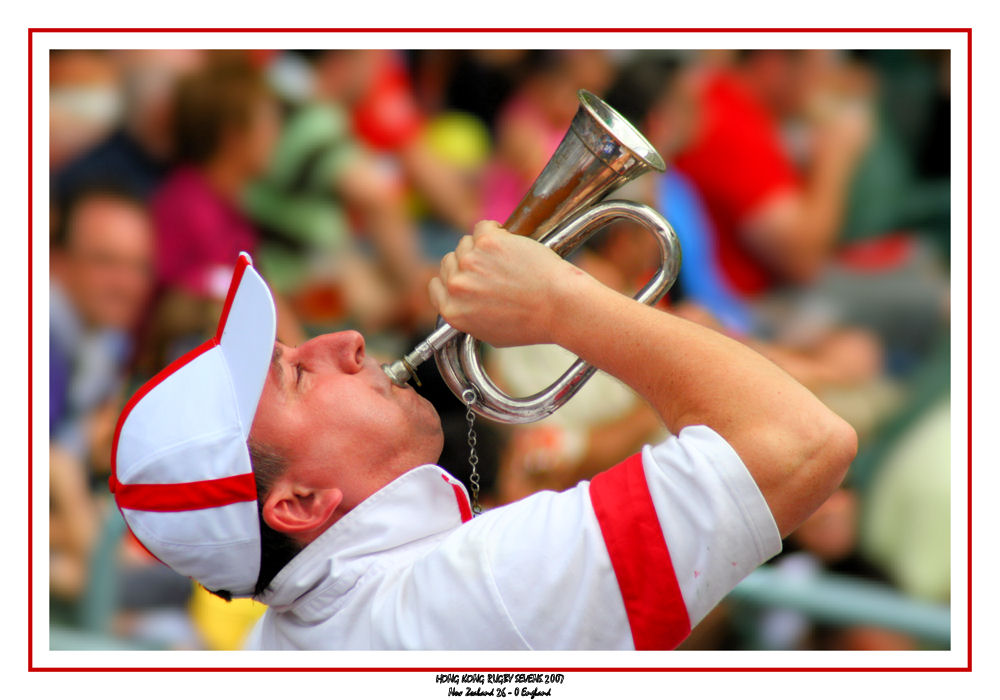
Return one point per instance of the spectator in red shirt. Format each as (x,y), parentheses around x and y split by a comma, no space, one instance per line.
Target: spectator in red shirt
(387,119)
(774,225)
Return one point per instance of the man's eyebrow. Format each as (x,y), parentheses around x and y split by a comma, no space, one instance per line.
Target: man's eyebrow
(276,369)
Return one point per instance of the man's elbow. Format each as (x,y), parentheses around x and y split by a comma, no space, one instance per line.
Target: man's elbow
(835,446)
(817,474)
(840,449)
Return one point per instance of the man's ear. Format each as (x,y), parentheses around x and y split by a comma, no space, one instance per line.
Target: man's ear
(298,510)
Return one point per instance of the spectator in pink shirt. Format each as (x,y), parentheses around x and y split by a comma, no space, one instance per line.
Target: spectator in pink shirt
(226,124)
(533,122)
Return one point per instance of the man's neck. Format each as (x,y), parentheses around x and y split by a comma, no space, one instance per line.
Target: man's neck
(355,497)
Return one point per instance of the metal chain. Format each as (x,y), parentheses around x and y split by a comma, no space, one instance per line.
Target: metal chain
(469,398)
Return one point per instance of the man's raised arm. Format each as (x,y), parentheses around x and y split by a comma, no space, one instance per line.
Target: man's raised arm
(509,290)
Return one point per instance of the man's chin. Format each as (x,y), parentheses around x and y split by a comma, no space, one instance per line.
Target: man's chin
(434,433)
(422,423)
(439,447)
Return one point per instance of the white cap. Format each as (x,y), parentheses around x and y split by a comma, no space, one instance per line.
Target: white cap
(180,466)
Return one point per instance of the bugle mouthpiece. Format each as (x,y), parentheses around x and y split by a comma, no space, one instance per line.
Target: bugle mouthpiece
(398,372)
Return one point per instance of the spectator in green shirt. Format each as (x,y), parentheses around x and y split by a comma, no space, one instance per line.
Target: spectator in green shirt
(320,182)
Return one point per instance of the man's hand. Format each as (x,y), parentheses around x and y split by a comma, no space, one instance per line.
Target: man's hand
(501,288)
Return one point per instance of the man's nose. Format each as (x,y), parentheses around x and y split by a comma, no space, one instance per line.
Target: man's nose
(345,349)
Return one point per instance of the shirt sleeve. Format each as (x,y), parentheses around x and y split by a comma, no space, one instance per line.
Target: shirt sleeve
(552,572)
(635,558)
(715,521)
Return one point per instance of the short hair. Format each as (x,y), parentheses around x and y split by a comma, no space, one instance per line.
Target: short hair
(211,101)
(276,548)
(641,83)
(66,210)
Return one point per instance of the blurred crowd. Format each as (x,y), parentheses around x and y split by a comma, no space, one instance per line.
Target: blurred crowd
(810,191)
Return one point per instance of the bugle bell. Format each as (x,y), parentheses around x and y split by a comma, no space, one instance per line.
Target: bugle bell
(600,152)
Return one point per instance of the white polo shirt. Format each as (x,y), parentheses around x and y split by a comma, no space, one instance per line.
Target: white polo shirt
(631,560)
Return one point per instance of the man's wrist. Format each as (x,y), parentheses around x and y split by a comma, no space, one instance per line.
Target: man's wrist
(573,299)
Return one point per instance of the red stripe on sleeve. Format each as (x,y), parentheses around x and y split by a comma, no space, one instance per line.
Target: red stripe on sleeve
(193,495)
(624,508)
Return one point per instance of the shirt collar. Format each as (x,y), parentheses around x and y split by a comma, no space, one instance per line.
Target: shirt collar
(420,506)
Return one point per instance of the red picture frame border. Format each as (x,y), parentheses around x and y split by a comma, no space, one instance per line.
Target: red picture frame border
(500,30)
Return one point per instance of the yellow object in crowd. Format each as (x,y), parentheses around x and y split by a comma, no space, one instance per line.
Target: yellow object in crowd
(223,626)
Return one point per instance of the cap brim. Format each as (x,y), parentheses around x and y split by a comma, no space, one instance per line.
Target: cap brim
(246,334)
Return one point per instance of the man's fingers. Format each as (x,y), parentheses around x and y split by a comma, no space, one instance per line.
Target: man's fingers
(465,245)
(485,227)
(449,266)
(437,293)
